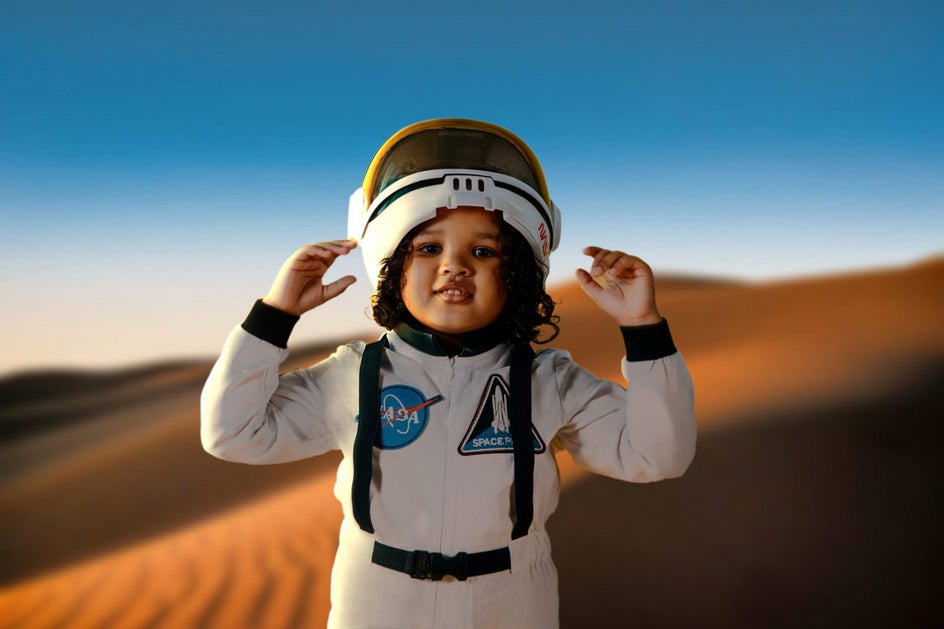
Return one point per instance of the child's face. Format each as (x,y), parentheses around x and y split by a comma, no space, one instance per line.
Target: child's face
(451,279)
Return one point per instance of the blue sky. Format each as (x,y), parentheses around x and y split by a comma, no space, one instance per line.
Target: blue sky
(159,160)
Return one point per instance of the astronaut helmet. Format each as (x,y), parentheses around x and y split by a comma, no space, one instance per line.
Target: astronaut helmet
(450,163)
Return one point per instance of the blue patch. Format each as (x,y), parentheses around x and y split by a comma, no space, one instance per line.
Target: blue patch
(404,413)
(490,430)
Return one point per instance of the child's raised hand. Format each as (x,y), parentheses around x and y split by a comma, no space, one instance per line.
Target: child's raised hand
(299,287)
(628,292)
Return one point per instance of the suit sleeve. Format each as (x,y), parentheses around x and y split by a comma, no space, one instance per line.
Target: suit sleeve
(249,413)
(641,433)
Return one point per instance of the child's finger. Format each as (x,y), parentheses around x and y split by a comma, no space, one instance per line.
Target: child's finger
(318,256)
(597,253)
(608,262)
(629,265)
(338,286)
(603,259)
(328,249)
(347,243)
(320,253)
(590,285)
(341,246)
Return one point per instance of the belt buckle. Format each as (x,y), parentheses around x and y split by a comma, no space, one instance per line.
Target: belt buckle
(436,566)
(452,565)
(422,565)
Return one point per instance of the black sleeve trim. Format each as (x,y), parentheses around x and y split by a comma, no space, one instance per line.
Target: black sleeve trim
(270,324)
(648,342)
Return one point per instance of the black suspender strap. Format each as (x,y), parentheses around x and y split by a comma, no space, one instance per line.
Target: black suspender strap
(520,417)
(368,423)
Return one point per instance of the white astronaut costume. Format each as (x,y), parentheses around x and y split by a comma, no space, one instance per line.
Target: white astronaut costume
(443,465)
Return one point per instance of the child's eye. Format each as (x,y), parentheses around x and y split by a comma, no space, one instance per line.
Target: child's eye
(429,248)
(484,252)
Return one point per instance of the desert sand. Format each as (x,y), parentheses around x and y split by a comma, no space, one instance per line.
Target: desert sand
(813,500)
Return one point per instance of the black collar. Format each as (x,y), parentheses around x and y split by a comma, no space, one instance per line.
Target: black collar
(435,344)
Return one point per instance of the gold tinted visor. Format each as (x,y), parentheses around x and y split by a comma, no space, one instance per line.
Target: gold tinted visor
(453,143)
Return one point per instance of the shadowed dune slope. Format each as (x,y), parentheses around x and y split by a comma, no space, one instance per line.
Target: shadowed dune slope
(826,518)
(90,462)
(813,489)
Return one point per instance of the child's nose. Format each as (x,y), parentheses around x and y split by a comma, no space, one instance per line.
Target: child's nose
(455,263)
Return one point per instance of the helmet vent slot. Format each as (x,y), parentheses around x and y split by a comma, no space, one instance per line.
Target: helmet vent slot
(468,183)
(455,183)
(481,186)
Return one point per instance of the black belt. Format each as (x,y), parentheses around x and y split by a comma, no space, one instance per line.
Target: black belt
(421,564)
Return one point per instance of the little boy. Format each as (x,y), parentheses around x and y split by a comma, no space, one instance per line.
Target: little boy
(449,423)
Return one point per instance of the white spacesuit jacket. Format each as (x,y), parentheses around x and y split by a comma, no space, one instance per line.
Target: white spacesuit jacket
(442,478)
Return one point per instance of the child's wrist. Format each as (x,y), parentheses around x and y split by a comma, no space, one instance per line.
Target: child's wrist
(653,318)
(274,302)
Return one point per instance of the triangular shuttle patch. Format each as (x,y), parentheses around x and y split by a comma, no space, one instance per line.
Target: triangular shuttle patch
(490,430)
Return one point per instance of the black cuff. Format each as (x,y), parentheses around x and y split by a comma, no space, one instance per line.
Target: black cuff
(648,342)
(270,324)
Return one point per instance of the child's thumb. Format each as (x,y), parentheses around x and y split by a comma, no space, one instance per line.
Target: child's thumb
(338,286)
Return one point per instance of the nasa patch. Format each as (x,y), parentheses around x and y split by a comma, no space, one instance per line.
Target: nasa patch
(404,413)
(490,430)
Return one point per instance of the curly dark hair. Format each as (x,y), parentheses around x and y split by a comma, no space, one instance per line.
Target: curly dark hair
(527,309)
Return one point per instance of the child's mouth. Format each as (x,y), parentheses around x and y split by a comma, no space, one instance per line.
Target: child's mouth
(453,295)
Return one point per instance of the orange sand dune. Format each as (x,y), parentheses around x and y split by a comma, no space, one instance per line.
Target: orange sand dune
(811,501)
(760,347)
(265,564)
